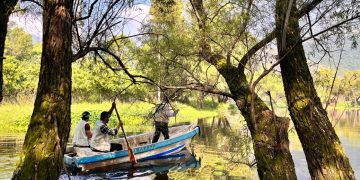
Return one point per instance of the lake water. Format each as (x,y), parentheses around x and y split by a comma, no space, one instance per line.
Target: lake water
(222,151)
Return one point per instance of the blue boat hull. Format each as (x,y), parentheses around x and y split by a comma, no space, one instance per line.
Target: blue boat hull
(142,153)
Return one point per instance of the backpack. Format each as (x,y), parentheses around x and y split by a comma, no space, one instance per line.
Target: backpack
(157,108)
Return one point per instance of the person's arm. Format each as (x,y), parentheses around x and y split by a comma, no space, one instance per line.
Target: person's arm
(106,130)
(170,113)
(112,108)
(87,131)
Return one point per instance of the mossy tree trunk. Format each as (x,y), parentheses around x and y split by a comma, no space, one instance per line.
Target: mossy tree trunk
(268,132)
(49,127)
(6,8)
(324,154)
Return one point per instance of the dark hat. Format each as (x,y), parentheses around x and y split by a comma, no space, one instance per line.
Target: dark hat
(85,115)
(104,115)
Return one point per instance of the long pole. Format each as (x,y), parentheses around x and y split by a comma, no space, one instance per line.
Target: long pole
(130,151)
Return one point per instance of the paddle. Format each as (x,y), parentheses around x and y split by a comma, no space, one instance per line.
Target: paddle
(130,151)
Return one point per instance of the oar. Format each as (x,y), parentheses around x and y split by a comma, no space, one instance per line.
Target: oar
(130,151)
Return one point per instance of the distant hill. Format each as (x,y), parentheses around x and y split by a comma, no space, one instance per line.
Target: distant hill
(350,58)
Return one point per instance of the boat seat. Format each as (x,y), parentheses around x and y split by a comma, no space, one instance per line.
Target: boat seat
(82,152)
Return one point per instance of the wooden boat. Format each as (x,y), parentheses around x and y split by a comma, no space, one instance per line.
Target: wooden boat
(86,159)
(180,161)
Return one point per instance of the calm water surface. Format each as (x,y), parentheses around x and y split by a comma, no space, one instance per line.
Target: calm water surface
(221,151)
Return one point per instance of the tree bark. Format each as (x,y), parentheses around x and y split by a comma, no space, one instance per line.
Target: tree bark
(268,132)
(48,131)
(6,8)
(324,154)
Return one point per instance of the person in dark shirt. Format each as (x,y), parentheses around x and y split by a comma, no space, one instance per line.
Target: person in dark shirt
(100,140)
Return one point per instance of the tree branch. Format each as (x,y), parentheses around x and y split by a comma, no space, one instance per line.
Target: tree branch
(87,50)
(206,89)
(89,14)
(83,51)
(255,48)
(308,7)
(218,11)
(304,10)
(332,27)
(241,32)
(119,62)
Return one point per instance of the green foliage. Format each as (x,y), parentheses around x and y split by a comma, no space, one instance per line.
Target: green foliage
(92,81)
(345,93)
(20,78)
(18,44)
(166,13)
(273,83)
(346,88)
(21,66)
(15,118)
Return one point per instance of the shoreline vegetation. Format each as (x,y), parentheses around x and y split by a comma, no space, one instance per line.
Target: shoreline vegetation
(15,117)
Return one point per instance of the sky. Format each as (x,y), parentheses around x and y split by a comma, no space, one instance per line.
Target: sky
(140,13)
(33,24)
(30,23)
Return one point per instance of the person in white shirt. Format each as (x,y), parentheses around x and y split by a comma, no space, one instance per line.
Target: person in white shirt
(82,132)
(100,140)
(161,115)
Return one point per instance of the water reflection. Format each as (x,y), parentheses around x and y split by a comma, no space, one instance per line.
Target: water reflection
(156,169)
(10,147)
(225,138)
(347,127)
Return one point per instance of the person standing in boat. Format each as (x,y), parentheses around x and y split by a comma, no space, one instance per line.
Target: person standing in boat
(82,132)
(161,116)
(100,140)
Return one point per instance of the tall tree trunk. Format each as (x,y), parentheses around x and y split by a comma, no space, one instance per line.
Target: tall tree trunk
(49,127)
(324,154)
(6,8)
(269,132)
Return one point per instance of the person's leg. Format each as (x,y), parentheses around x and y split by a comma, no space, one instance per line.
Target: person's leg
(115,147)
(157,132)
(165,130)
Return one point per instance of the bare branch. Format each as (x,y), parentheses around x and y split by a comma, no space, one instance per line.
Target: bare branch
(218,11)
(95,49)
(135,35)
(308,7)
(89,14)
(206,89)
(241,31)
(333,81)
(255,48)
(332,27)
(106,63)
(119,62)
(268,38)
(83,51)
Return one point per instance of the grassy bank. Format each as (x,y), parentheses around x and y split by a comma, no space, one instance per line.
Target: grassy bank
(15,118)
